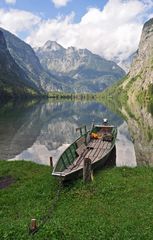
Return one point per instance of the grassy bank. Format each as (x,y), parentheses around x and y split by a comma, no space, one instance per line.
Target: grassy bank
(117,205)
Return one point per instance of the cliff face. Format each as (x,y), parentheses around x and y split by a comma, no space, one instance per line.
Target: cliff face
(85,71)
(140,77)
(25,57)
(13,80)
(138,87)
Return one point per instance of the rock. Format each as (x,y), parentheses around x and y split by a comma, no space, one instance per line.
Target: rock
(81,68)
(140,77)
(13,80)
(25,57)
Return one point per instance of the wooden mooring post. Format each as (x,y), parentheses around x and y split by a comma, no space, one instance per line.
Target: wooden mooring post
(87,172)
(33,226)
(51,163)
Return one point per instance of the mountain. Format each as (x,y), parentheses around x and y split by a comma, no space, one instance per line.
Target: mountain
(138,89)
(139,81)
(68,70)
(13,80)
(137,86)
(126,63)
(85,71)
(27,60)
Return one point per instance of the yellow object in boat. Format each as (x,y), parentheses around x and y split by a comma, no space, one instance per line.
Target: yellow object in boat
(96,135)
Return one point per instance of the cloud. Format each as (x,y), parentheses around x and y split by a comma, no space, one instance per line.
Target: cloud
(60,3)
(17,21)
(113,32)
(10,1)
(60,29)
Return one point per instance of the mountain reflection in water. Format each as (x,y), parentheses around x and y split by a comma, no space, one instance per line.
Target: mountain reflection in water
(37,130)
(140,122)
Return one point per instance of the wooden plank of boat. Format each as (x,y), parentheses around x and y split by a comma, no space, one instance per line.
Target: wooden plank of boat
(71,161)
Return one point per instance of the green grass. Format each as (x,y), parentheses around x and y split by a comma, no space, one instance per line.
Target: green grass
(116,205)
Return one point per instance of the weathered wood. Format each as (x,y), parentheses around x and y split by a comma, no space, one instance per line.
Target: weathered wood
(87,170)
(63,161)
(88,153)
(51,163)
(67,157)
(81,149)
(96,150)
(33,226)
(72,156)
(80,141)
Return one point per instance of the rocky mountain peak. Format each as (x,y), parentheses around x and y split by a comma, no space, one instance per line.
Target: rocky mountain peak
(148,24)
(2,40)
(142,65)
(71,49)
(84,51)
(25,58)
(83,70)
(52,46)
(147,34)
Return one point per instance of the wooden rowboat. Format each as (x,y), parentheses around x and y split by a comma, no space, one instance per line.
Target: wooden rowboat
(96,145)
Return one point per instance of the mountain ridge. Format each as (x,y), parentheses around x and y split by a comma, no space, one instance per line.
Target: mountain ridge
(137,85)
(25,57)
(82,71)
(81,65)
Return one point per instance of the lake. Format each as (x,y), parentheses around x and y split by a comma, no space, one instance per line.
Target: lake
(35,130)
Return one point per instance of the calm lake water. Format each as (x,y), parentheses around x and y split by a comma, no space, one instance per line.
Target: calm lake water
(37,130)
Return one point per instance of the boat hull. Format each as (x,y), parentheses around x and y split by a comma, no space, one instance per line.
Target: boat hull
(98,150)
(95,166)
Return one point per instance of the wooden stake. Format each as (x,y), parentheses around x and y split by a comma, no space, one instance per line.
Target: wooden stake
(51,162)
(87,173)
(33,227)
(92,177)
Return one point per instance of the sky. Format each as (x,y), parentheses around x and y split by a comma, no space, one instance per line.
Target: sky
(110,28)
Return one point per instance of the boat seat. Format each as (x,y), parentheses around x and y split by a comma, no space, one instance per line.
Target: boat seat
(80,141)
(81,149)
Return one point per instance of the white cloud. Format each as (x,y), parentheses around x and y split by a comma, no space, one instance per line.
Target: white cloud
(60,3)
(17,21)
(113,32)
(10,1)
